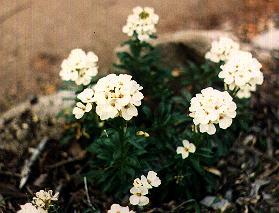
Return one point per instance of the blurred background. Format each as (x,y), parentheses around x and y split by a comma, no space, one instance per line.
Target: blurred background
(36,35)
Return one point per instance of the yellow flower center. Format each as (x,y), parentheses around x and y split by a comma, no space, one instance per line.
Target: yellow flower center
(144,15)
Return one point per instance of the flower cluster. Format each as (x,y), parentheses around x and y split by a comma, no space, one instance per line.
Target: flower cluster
(44,199)
(30,208)
(221,49)
(41,202)
(116,208)
(117,95)
(242,72)
(79,67)
(141,186)
(211,107)
(142,22)
(186,149)
(85,104)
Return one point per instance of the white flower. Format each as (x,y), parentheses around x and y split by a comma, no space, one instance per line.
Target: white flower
(79,67)
(211,107)
(116,208)
(129,111)
(151,180)
(141,186)
(142,22)
(138,196)
(137,182)
(117,95)
(186,149)
(242,71)
(86,96)
(43,199)
(80,109)
(221,49)
(30,208)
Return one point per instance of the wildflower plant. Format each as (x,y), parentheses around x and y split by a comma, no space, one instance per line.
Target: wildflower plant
(42,203)
(144,118)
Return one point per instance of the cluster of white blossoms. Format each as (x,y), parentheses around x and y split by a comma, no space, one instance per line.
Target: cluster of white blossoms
(142,22)
(211,107)
(116,208)
(79,67)
(41,202)
(85,103)
(30,208)
(242,72)
(117,95)
(221,49)
(186,149)
(44,199)
(141,186)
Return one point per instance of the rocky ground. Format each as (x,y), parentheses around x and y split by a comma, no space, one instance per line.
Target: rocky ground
(35,35)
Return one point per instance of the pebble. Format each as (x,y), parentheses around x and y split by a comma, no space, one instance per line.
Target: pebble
(268,40)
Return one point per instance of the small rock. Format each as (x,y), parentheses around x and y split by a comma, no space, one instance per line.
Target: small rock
(40,180)
(215,203)
(33,100)
(24,125)
(256,187)
(268,40)
(229,194)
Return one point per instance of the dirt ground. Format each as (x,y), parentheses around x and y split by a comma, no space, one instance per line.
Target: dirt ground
(36,35)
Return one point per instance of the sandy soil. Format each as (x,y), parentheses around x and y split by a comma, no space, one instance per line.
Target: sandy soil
(36,35)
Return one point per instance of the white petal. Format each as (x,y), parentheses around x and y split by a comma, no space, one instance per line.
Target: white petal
(135,190)
(186,143)
(156,182)
(225,122)
(134,199)
(115,207)
(78,112)
(185,155)
(143,190)
(88,107)
(211,129)
(137,182)
(192,148)
(80,105)
(129,112)
(151,175)
(143,201)
(180,150)
(203,127)
(145,183)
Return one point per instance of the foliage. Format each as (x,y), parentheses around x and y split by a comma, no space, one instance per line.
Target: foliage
(117,154)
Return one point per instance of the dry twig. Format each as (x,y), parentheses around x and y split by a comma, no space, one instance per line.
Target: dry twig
(87,193)
(25,172)
(64,162)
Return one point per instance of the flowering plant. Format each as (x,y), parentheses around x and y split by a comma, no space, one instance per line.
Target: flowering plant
(146,118)
(41,203)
